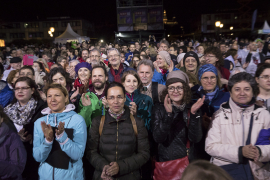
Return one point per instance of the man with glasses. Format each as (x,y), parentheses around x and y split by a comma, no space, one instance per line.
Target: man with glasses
(85,55)
(96,59)
(15,63)
(117,68)
(27,71)
(191,62)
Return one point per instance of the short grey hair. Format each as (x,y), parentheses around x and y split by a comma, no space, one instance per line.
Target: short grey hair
(165,42)
(113,49)
(74,61)
(236,70)
(146,62)
(95,49)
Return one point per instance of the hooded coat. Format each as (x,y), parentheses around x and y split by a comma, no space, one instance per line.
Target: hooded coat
(73,148)
(227,63)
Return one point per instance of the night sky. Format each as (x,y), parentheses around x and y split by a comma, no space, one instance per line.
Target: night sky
(103,12)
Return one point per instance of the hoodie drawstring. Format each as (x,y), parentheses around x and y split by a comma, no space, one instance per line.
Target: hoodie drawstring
(55,123)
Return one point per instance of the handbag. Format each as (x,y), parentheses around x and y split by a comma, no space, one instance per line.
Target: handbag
(172,170)
(241,171)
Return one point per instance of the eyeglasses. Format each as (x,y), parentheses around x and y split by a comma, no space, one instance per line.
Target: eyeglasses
(113,56)
(28,74)
(178,88)
(22,88)
(118,98)
(208,56)
(94,56)
(265,77)
(212,78)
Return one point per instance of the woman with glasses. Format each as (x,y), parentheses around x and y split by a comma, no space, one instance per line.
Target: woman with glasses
(23,111)
(118,142)
(176,126)
(135,61)
(209,86)
(262,77)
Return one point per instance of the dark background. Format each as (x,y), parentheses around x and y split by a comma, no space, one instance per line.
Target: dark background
(102,13)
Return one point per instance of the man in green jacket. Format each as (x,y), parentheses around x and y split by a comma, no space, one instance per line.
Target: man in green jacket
(92,103)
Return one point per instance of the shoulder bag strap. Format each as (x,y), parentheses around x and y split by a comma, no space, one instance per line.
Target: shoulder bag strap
(101,125)
(155,92)
(250,130)
(188,142)
(134,124)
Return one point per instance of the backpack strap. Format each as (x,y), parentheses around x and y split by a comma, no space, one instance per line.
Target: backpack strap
(134,124)
(101,125)
(155,92)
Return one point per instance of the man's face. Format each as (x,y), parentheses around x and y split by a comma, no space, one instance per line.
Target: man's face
(191,64)
(172,51)
(13,53)
(122,57)
(16,65)
(222,48)
(114,58)
(27,73)
(19,54)
(98,78)
(253,46)
(145,73)
(94,57)
(7,49)
(85,55)
(181,43)
(211,59)
(116,46)
(73,64)
(146,43)
(235,46)
(45,57)
(84,45)
(124,48)
(163,47)
(132,47)
(25,48)
(137,45)
(102,50)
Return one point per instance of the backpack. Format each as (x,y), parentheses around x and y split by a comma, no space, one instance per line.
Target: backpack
(132,120)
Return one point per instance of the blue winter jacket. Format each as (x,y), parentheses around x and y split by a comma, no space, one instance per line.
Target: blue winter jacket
(160,78)
(128,54)
(111,78)
(6,94)
(73,148)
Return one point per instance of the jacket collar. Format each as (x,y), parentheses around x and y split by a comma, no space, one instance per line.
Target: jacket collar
(124,117)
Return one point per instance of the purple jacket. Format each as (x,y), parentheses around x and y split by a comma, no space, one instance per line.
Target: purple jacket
(13,154)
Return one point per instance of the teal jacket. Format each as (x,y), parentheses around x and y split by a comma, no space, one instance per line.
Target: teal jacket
(144,106)
(92,111)
(73,148)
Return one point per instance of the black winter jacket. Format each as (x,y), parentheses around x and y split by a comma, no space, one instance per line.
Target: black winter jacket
(171,132)
(118,143)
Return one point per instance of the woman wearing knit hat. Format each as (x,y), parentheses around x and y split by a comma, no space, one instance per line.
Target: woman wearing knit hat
(209,86)
(163,65)
(175,125)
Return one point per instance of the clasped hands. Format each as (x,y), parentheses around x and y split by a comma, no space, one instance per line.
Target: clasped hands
(48,132)
(251,152)
(109,171)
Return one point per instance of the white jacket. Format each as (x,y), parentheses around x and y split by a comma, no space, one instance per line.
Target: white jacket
(225,136)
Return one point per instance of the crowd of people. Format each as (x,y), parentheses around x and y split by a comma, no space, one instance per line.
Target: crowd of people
(144,110)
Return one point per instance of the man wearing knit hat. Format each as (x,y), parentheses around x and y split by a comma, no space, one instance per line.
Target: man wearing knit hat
(163,65)
(191,62)
(15,63)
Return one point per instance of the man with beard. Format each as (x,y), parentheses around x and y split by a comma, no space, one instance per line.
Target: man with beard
(85,55)
(96,60)
(92,103)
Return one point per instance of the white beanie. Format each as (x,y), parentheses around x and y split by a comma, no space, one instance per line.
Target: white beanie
(180,57)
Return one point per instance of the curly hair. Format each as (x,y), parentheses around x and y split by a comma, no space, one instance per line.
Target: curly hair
(187,93)
(215,51)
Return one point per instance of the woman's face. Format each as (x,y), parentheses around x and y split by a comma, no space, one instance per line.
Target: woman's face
(161,62)
(147,51)
(200,50)
(84,74)
(17,75)
(59,79)
(209,81)
(136,61)
(56,100)
(1,60)
(76,52)
(130,84)
(190,44)
(63,63)
(263,80)
(143,53)
(36,67)
(53,51)
(23,92)
(116,99)
(176,92)
(180,51)
(242,92)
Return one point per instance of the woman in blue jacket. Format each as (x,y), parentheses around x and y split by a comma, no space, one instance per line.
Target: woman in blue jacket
(163,65)
(59,138)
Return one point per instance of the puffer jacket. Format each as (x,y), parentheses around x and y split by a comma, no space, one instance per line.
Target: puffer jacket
(118,143)
(229,132)
(170,132)
(73,148)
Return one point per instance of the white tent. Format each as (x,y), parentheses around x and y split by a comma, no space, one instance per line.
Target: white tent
(265,29)
(69,35)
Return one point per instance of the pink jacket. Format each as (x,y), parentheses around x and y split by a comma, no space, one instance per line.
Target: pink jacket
(226,135)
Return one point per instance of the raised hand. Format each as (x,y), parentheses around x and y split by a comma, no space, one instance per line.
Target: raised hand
(113,169)
(197,105)
(61,128)
(47,131)
(75,94)
(105,102)
(86,101)
(133,108)
(168,104)
(245,65)
(171,66)
(156,66)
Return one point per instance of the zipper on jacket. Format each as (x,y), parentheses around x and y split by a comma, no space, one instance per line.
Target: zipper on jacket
(116,142)
(53,173)
(243,126)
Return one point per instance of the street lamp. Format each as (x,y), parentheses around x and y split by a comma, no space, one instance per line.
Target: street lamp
(168,35)
(231,28)
(51,35)
(217,23)
(52,29)
(101,40)
(221,26)
(50,32)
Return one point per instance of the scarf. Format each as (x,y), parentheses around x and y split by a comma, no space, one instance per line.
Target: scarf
(163,71)
(251,103)
(21,115)
(116,116)
(117,77)
(92,89)
(82,87)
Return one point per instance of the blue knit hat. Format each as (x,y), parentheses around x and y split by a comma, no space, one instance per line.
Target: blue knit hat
(207,68)
(82,65)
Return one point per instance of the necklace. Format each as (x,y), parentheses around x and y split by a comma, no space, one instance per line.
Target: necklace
(180,107)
